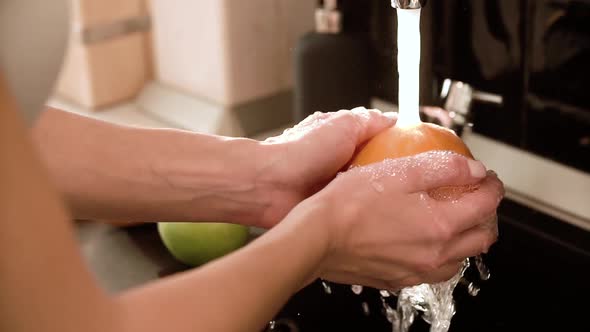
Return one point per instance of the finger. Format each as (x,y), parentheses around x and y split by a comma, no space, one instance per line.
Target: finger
(471,209)
(362,124)
(472,242)
(436,169)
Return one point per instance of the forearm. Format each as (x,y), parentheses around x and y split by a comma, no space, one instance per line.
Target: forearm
(240,292)
(108,171)
(54,291)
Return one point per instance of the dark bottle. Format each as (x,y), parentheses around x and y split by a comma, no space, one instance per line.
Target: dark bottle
(331,66)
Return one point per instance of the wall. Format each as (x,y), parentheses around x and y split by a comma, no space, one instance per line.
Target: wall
(228,51)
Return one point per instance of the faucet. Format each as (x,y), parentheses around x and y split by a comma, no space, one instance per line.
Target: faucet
(408,4)
(457,99)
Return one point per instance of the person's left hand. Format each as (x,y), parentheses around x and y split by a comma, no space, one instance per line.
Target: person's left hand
(308,156)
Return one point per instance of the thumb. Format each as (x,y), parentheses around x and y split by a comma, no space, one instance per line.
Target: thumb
(438,169)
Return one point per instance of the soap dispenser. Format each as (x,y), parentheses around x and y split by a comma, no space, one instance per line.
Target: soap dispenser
(331,65)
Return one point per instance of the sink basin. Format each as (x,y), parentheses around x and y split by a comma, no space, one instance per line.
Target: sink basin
(540,282)
(540,279)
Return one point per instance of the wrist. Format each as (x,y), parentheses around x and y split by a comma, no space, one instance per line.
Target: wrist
(211,178)
(274,182)
(341,209)
(311,221)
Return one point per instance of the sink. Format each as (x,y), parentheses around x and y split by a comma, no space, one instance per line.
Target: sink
(540,282)
(540,279)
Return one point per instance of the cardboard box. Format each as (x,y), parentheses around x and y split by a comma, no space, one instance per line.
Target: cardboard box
(109,56)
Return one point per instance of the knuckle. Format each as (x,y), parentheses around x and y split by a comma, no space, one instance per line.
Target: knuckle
(356,120)
(413,176)
(441,230)
(350,122)
(457,165)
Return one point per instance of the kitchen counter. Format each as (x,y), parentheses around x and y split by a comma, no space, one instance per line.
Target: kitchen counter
(122,258)
(126,257)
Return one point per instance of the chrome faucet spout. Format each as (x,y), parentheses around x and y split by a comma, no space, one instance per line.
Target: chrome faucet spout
(408,4)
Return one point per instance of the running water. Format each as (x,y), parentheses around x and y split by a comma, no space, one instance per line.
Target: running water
(434,302)
(408,59)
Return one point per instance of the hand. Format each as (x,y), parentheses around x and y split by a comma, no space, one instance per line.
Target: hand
(386,232)
(307,157)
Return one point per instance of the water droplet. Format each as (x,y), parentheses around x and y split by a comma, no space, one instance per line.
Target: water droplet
(366,310)
(327,287)
(473,289)
(357,289)
(391,315)
(272,325)
(378,186)
(484,272)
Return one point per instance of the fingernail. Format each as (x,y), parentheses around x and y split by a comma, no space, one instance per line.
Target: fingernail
(391,115)
(477,168)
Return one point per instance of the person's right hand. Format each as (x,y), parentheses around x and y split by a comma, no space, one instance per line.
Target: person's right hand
(386,232)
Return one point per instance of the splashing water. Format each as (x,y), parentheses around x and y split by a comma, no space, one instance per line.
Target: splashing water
(327,287)
(272,325)
(473,289)
(484,272)
(434,301)
(357,289)
(366,309)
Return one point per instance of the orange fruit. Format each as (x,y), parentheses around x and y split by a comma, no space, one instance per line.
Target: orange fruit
(399,142)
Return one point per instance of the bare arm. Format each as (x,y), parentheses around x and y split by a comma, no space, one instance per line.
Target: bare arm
(46,287)
(114,172)
(42,278)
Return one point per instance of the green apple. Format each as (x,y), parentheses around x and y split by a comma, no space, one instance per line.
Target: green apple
(195,244)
